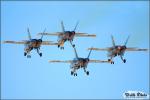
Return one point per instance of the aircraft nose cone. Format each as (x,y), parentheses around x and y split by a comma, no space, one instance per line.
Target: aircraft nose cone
(119,47)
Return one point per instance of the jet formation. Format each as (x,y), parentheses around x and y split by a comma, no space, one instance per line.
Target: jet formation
(68,36)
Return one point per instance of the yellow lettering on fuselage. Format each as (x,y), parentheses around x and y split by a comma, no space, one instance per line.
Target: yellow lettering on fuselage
(61,43)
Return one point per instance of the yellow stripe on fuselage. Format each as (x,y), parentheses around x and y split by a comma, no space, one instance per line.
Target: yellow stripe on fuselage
(61,43)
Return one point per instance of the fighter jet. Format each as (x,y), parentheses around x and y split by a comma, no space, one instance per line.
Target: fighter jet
(67,35)
(32,44)
(79,63)
(117,50)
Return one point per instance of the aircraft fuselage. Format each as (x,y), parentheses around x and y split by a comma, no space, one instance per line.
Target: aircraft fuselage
(32,44)
(66,36)
(80,62)
(116,51)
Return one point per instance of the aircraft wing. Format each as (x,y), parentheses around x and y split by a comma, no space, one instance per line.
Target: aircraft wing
(25,42)
(84,35)
(15,42)
(135,49)
(49,43)
(100,49)
(99,61)
(51,34)
(60,61)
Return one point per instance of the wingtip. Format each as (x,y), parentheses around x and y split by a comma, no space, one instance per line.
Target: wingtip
(144,50)
(3,42)
(53,61)
(93,35)
(90,48)
(7,41)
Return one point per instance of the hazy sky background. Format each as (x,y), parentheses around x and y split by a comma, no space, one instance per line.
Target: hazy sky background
(35,78)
